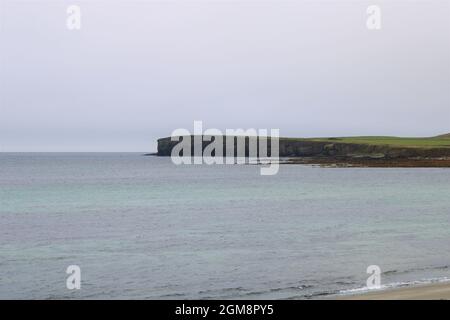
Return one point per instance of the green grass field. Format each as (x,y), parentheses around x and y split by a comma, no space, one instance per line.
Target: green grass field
(432,142)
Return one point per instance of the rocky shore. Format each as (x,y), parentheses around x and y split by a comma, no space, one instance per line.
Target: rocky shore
(347,162)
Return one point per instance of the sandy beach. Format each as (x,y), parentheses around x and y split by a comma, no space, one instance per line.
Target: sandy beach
(438,291)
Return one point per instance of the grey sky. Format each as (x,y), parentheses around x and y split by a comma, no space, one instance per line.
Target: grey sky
(139,69)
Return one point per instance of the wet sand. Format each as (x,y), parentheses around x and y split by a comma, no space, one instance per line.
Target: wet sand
(438,291)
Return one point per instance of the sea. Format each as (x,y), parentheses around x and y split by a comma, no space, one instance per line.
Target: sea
(141,227)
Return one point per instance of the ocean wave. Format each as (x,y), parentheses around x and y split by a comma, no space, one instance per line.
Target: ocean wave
(242,293)
(395,271)
(394,285)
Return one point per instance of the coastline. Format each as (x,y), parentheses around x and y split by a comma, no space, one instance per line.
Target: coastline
(354,162)
(434,291)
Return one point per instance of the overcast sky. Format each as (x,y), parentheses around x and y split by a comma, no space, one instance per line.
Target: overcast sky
(137,70)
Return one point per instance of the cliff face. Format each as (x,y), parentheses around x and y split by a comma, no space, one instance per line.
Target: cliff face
(309,148)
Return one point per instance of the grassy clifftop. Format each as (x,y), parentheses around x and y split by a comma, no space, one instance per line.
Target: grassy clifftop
(442,141)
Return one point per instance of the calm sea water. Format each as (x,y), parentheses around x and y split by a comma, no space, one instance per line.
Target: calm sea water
(141,227)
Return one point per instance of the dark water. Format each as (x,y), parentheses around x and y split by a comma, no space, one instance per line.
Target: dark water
(141,227)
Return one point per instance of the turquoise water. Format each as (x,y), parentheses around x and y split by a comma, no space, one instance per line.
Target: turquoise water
(141,227)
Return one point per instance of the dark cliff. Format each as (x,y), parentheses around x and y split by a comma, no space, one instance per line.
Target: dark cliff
(293,147)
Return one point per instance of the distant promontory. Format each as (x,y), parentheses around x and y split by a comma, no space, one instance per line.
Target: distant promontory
(370,151)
